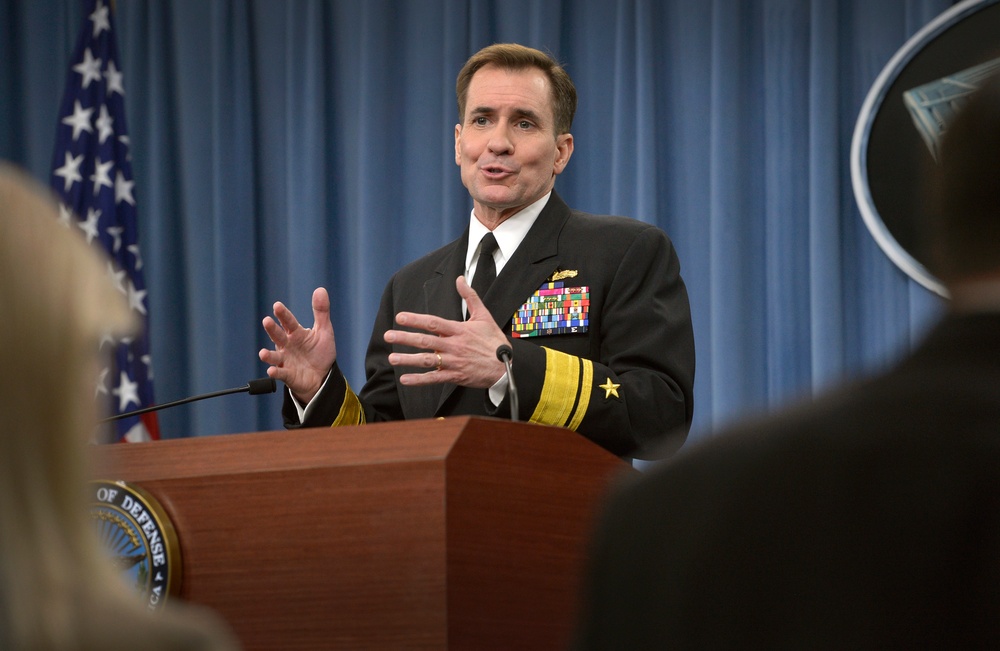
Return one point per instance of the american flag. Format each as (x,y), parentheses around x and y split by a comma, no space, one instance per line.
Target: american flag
(92,176)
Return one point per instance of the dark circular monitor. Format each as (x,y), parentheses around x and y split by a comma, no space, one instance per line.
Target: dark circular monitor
(903,117)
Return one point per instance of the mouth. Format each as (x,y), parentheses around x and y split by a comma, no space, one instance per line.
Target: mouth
(495,171)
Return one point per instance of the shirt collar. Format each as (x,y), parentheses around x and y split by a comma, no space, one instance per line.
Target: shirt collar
(510,233)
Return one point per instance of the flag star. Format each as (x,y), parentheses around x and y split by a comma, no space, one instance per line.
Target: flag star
(136,298)
(114,77)
(100,176)
(128,151)
(136,434)
(105,124)
(100,19)
(134,250)
(127,392)
(102,383)
(123,189)
(80,120)
(89,225)
(65,214)
(116,237)
(70,171)
(148,361)
(90,68)
(106,338)
(117,278)
(610,389)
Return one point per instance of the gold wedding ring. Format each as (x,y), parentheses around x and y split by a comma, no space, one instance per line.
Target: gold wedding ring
(440,363)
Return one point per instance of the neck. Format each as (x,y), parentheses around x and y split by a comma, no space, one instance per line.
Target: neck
(491,218)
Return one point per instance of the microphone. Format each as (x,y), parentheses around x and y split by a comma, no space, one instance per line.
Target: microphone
(254,387)
(506,354)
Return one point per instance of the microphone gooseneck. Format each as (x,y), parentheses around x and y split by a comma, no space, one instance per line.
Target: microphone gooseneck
(254,387)
(506,355)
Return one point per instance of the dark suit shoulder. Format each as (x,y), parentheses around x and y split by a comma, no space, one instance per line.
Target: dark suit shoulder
(614,234)
(845,515)
(608,224)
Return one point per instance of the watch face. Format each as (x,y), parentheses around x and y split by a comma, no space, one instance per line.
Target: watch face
(139,537)
(903,118)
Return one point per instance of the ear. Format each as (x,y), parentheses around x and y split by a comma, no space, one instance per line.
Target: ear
(564,150)
(458,145)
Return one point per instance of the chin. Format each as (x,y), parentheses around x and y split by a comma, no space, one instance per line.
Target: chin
(497,200)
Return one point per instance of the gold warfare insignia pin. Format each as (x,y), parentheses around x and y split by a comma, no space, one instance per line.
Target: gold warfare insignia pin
(139,537)
(561,274)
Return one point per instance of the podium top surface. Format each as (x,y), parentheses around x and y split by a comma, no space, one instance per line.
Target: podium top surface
(375,443)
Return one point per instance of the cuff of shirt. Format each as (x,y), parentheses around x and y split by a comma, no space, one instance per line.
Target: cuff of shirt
(498,391)
(304,411)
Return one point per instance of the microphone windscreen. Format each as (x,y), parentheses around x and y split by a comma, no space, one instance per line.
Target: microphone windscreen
(263,385)
(505,352)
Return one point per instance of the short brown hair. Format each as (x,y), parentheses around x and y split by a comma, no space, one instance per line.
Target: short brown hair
(965,217)
(511,56)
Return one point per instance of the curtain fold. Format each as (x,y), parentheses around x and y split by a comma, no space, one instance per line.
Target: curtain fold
(281,145)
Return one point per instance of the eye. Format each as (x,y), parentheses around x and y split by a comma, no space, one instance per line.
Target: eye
(480,121)
(524,124)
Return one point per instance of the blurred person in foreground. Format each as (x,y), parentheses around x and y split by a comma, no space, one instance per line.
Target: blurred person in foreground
(617,363)
(866,518)
(58,590)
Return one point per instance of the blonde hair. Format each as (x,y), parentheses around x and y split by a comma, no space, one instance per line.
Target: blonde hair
(57,586)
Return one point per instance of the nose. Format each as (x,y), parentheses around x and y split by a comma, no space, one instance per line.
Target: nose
(500,141)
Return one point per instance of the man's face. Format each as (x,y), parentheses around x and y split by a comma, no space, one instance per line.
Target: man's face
(506,145)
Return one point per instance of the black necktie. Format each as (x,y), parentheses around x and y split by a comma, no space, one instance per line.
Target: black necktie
(486,268)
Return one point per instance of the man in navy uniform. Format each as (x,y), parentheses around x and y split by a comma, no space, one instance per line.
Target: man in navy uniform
(593,306)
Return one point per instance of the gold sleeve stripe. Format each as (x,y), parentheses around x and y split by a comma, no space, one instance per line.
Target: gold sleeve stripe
(583,401)
(351,412)
(565,390)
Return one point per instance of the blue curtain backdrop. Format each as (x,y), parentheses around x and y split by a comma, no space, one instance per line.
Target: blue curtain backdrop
(280,145)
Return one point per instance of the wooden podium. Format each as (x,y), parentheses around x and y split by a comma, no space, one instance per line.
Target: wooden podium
(458,533)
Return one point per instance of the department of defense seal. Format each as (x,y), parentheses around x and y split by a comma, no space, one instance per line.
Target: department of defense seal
(140,538)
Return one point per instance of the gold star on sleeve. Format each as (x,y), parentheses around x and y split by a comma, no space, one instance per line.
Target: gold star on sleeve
(610,389)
